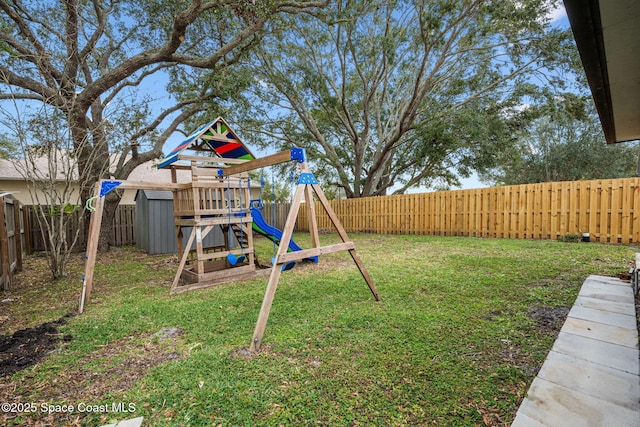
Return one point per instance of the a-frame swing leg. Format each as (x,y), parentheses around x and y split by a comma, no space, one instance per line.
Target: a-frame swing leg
(301,191)
(183,260)
(92,248)
(345,238)
(276,270)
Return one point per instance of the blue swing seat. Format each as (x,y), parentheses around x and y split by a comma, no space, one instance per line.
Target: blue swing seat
(286,266)
(233,260)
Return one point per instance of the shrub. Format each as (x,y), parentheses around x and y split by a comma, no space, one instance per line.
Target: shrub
(571,238)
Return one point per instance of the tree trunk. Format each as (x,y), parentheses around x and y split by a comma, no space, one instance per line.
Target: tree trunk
(106,237)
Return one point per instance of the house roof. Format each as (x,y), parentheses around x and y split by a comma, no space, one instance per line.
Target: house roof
(14,170)
(607,33)
(215,138)
(155,194)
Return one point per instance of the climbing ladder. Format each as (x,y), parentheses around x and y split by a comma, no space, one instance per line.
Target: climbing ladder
(240,235)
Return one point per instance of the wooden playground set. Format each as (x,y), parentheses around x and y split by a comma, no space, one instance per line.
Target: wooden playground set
(220,197)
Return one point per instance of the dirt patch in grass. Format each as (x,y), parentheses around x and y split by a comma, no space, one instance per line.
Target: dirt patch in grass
(27,347)
(244,352)
(549,319)
(113,368)
(35,298)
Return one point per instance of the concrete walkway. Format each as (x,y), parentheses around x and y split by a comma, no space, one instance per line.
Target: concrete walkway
(133,422)
(591,376)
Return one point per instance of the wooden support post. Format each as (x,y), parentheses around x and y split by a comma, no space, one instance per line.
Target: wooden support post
(343,235)
(183,260)
(304,191)
(179,241)
(311,215)
(18,234)
(26,218)
(276,270)
(272,285)
(92,247)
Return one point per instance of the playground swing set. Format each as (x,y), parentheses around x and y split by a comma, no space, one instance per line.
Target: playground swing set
(219,196)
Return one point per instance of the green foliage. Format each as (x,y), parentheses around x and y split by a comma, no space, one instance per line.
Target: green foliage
(126,76)
(8,147)
(571,238)
(66,209)
(562,141)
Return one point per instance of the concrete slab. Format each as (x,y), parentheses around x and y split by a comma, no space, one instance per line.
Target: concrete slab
(599,331)
(602,290)
(598,381)
(605,280)
(552,405)
(591,377)
(603,353)
(607,290)
(603,316)
(627,308)
(523,420)
(133,422)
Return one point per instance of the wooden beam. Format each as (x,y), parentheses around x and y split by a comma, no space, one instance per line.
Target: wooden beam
(343,235)
(276,270)
(308,253)
(273,159)
(143,185)
(92,248)
(5,262)
(26,218)
(18,234)
(211,279)
(183,261)
(311,215)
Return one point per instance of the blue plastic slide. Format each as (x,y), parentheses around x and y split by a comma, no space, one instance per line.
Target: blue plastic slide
(272,233)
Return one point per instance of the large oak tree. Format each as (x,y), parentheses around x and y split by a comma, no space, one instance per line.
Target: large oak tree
(393,94)
(87,59)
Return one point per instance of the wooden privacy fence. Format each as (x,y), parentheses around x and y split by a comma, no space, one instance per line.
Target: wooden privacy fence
(279,217)
(11,240)
(124,225)
(607,209)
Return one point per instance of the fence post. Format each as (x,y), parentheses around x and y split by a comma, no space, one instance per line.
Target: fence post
(28,229)
(5,263)
(17,233)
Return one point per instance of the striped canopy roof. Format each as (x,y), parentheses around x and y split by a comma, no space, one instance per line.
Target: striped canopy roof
(215,137)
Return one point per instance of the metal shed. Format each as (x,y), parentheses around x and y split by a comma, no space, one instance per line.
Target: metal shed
(155,229)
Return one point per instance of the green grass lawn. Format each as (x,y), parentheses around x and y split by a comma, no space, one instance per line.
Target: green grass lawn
(462,328)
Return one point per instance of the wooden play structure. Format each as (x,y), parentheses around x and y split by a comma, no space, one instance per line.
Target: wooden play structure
(220,199)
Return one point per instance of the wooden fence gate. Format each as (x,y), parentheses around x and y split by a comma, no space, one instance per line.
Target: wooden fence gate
(11,240)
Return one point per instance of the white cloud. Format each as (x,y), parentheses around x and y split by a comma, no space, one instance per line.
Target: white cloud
(558,13)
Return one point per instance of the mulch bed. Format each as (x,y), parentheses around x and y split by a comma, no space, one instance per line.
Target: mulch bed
(27,347)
